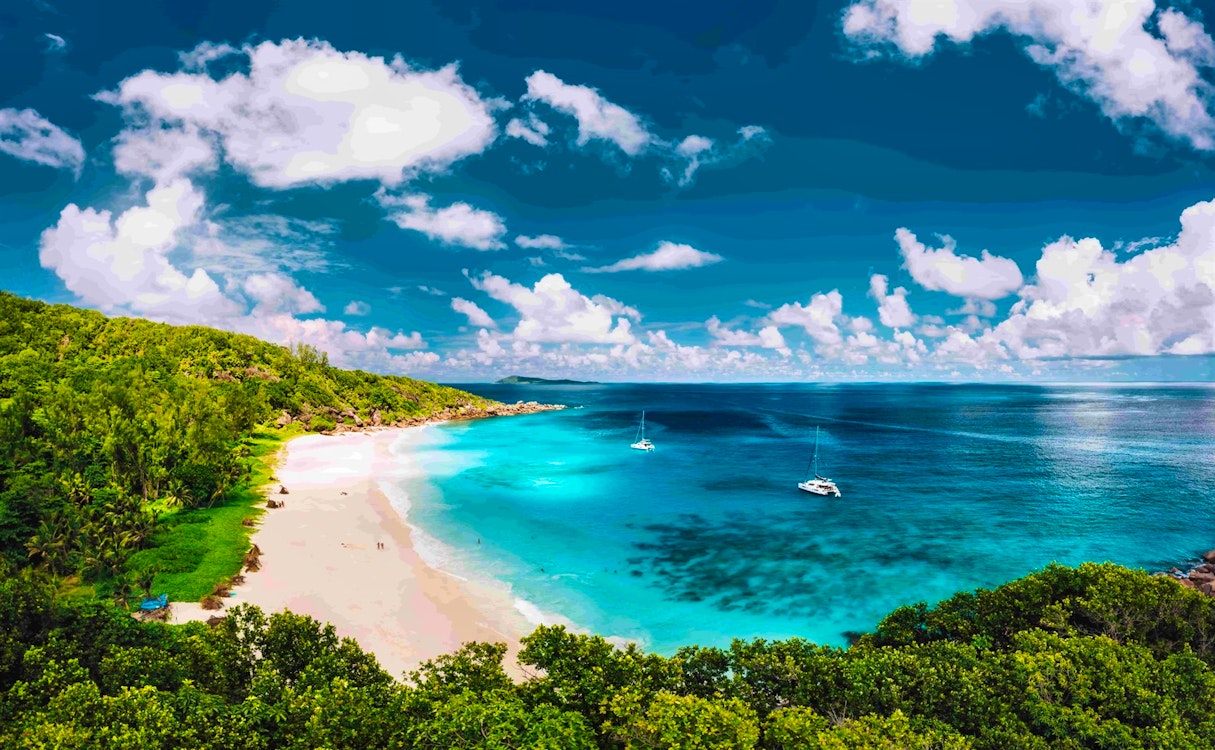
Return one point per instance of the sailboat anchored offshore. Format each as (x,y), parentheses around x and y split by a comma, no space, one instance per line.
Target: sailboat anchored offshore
(815,483)
(642,442)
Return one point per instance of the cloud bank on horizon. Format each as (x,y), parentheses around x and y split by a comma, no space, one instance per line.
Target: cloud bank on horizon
(299,116)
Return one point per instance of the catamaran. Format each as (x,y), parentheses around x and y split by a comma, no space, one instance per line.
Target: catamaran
(816,483)
(642,442)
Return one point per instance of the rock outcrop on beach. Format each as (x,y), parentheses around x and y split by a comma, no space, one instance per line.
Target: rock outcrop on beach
(467,411)
(1200,578)
(470,411)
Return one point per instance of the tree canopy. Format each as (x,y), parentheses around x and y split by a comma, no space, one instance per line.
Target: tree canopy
(1061,672)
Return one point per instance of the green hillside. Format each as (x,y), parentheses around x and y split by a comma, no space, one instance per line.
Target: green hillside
(1096,657)
(129,449)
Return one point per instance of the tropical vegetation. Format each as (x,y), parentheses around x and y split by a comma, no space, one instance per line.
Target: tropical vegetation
(130,454)
(1092,657)
(130,450)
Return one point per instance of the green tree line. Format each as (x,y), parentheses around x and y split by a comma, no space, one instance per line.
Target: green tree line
(110,427)
(1092,657)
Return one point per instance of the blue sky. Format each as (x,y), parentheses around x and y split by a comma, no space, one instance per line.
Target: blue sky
(831,190)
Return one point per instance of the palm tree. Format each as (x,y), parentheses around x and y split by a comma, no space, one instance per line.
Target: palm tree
(41,547)
(147,524)
(124,589)
(48,547)
(76,490)
(144,580)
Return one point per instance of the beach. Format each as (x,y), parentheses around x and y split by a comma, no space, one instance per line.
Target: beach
(338,551)
(707,538)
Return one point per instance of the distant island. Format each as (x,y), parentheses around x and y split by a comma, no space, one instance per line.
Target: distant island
(527,380)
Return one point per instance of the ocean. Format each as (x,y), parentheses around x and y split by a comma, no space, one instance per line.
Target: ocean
(945,488)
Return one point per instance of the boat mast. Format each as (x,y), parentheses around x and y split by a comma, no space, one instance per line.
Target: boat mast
(816,429)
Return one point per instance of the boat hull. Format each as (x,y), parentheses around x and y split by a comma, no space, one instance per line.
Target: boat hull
(644,445)
(820,488)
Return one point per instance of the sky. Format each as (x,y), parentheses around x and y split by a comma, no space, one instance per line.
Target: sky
(811,190)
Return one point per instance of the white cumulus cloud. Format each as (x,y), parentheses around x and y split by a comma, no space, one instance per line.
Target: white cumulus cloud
(768,337)
(457,224)
(122,263)
(552,311)
(488,345)
(893,310)
(597,117)
(818,318)
(476,316)
(1130,58)
(279,293)
(29,136)
(357,307)
(344,344)
(980,308)
(541,242)
(163,153)
(304,112)
(535,131)
(696,151)
(942,269)
(601,120)
(669,256)
(135,263)
(1085,302)
(693,145)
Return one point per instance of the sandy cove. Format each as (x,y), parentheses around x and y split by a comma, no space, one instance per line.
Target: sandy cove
(321,557)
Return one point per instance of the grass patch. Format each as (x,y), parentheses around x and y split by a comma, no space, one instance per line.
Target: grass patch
(194,550)
(72,590)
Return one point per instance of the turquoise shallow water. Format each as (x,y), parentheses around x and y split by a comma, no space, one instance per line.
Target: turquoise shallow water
(945,488)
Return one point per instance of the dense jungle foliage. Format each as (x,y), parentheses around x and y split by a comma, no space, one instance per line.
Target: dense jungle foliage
(1094,657)
(113,431)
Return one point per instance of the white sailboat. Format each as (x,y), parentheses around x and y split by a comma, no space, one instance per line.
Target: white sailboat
(642,442)
(819,485)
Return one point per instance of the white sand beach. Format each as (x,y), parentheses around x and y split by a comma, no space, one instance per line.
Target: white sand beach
(321,556)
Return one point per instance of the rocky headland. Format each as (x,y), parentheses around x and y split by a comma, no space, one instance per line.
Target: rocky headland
(349,421)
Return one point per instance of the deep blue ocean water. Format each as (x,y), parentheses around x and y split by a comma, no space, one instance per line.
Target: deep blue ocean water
(945,488)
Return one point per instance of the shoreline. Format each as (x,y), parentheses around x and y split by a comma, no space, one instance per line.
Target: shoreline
(339,551)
